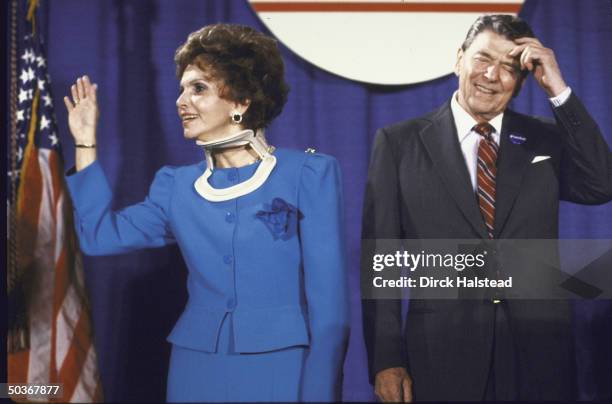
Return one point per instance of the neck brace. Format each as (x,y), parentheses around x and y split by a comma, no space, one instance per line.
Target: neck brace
(246,137)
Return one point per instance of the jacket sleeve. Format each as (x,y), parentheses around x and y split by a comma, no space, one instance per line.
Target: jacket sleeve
(382,318)
(586,163)
(325,277)
(102,231)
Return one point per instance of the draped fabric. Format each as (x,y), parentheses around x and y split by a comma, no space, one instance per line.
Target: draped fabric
(49,338)
(127,48)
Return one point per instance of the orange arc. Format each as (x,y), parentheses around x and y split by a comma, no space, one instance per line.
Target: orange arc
(430,7)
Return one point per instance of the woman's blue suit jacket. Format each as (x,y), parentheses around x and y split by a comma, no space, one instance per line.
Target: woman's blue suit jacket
(274,258)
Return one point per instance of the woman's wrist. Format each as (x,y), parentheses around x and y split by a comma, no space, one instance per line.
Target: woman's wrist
(84,140)
(87,136)
(84,157)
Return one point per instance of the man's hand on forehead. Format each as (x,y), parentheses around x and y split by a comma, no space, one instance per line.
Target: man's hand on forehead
(541,61)
(529,50)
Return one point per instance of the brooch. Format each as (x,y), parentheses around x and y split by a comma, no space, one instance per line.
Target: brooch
(281,218)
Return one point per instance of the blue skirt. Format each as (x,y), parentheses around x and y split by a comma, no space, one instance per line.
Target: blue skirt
(229,376)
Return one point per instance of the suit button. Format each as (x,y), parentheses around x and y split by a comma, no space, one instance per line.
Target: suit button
(232,175)
(227,259)
(230,217)
(231,304)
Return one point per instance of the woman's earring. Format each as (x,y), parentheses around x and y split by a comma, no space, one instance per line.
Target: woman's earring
(236,117)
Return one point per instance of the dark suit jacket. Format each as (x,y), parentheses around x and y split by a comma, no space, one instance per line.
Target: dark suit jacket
(418,188)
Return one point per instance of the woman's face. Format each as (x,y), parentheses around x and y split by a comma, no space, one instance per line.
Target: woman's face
(205,115)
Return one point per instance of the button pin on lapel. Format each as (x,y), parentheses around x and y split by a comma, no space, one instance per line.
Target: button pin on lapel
(517,139)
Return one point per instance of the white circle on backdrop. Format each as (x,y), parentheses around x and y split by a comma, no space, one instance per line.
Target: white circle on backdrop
(373,41)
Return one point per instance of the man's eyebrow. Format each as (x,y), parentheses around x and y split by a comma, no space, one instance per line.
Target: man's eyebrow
(512,62)
(484,53)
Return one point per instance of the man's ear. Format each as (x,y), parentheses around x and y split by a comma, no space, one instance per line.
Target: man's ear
(458,61)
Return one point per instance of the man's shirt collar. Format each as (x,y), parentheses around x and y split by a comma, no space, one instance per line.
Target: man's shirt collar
(464,121)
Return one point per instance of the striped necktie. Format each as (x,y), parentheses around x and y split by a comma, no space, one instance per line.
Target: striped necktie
(485,173)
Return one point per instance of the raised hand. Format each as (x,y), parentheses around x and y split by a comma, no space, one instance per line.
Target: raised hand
(540,61)
(82,111)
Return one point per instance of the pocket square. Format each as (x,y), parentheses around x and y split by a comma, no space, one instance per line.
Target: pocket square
(537,159)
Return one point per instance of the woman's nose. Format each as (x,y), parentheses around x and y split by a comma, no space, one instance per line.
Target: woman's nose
(181,100)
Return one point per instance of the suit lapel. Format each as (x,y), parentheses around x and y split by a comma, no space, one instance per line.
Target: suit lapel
(442,144)
(514,158)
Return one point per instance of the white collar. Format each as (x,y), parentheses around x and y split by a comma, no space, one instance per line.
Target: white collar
(257,143)
(464,121)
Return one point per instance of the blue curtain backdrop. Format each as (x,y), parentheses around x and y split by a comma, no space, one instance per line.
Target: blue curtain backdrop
(127,48)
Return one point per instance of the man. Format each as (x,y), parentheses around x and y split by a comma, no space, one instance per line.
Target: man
(475,170)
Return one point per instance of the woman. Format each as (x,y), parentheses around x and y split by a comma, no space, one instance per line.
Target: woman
(260,230)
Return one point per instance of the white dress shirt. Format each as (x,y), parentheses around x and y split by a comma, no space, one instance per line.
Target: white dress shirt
(469,140)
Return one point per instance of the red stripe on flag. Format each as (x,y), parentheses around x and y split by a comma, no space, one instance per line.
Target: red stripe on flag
(56,167)
(17,366)
(28,200)
(72,367)
(59,291)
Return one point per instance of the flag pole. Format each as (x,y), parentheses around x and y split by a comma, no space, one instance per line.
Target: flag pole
(17,338)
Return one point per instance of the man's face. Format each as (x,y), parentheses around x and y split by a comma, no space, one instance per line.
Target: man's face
(487,75)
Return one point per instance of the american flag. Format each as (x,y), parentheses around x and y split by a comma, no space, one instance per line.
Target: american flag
(50,336)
